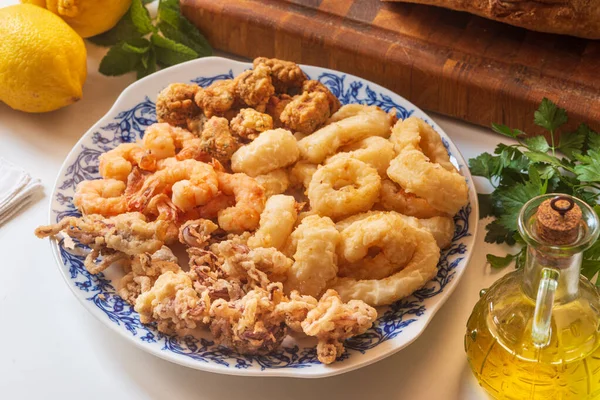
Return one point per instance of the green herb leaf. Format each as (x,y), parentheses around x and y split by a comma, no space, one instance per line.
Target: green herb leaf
(589,268)
(485,205)
(118,61)
(589,170)
(506,131)
(499,262)
(593,138)
(169,52)
(536,156)
(147,64)
(498,234)
(136,46)
(485,165)
(510,200)
(124,30)
(520,258)
(549,116)
(537,143)
(175,27)
(535,179)
(570,142)
(141,18)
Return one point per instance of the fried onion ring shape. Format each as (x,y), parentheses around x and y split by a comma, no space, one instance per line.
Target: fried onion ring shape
(370,121)
(394,198)
(418,271)
(346,186)
(374,150)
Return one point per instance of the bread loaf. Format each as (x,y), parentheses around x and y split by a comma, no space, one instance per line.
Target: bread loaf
(569,17)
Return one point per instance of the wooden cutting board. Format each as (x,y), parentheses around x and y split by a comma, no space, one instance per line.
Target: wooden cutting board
(445,61)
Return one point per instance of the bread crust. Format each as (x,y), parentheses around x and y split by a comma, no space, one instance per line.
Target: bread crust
(569,17)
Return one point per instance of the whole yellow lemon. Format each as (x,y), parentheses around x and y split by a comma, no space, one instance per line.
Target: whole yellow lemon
(42,60)
(87,17)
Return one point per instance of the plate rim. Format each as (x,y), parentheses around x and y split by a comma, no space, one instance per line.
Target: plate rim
(330,370)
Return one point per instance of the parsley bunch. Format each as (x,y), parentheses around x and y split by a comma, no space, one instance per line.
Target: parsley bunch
(533,167)
(140,43)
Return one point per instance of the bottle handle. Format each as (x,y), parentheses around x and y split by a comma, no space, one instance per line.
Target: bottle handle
(542,317)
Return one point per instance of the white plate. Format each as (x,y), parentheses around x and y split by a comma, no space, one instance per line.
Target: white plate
(397,325)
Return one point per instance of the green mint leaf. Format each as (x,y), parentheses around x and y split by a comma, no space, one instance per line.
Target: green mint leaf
(510,199)
(141,18)
(485,205)
(124,30)
(169,52)
(549,116)
(147,64)
(144,2)
(118,61)
(589,169)
(175,27)
(498,234)
(506,131)
(168,4)
(499,262)
(537,143)
(485,165)
(136,46)
(571,142)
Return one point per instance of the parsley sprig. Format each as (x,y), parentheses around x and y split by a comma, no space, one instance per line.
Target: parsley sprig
(140,43)
(535,166)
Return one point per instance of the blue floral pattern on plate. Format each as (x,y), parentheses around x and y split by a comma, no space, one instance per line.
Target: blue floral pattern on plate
(127,126)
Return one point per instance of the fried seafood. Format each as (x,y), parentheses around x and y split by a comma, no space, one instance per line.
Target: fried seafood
(416,273)
(394,198)
(175,103)
(375,246)
(197,233)
(216,99)
(216,141)
(306,112)
(249,123)
(285,75)
(274,182)
(249,202)
(101,196)
(272,150)
(250,325)
(163,140)
(313,245)
(296,309)
(144,270)
(254,87)
(344,187)
(193,183)
(196,124)
(127,233)
(333,321)
(118,162)
(311,86)
(369,121)
(275,107)
(173,303)
(276,222)
(301,173)
(375,151)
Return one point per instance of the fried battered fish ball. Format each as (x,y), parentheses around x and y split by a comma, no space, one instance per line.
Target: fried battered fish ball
(276,222)
(311,86)
(285,74)
(364,121)
(272,150)
(274,182)
(375,151)
(344,187)
(250,123)
(254,87)
(216,99)
(306,112)
(313,244)
(175,103)
(394,198)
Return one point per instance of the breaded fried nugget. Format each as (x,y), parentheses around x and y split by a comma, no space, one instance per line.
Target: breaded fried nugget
(275,107)
(175,103)
(311,86)
(217,139)
(254,87)
(306,113)
(216,99)
(285,74)
(250,123)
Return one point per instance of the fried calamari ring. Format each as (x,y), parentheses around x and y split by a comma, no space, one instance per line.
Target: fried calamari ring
(273,149)
(375,151)
(375,246)
(301,173)
(368,121)
(313,244)
(276,222)
(274,182)
(346,186)
(394,198)
(379,292)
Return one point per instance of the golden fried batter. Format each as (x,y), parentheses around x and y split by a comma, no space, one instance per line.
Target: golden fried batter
(254,87)
(306,113)
(217,98)
(275,107)
(311,86)
(175,104)
(217,140)
(285,74)
(250,123)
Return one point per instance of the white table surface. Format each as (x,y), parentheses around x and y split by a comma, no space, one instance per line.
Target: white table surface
(52,348)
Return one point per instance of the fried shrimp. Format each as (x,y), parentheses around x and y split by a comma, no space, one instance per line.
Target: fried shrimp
(306,112)
(101,196)
(193,183)
(375,246)
(249,123)
(375,151)
(273,149)
(274,182)
(332,321)
(249,202)
(276,222)
(163,140)
(344,187)
(285,74)
(255,87)
(415,274)
(118,162)
(369,121)
(394,198)
(313,244)
(175,103)
(216,99)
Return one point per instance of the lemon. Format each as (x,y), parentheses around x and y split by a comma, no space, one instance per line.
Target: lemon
(42,60)
(87,17)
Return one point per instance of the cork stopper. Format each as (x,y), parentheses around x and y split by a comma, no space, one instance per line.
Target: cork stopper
(558,220)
